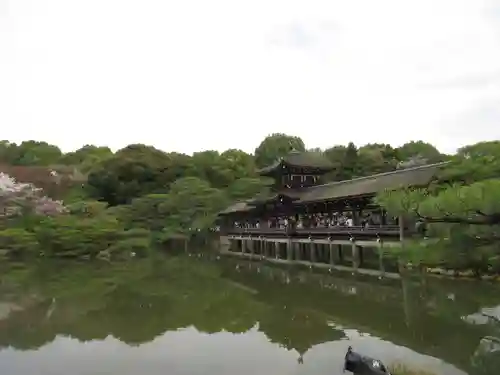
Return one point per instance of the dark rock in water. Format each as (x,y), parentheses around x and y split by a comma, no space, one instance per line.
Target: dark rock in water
(363,365)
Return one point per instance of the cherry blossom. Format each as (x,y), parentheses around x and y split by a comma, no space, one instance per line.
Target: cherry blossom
(17,198)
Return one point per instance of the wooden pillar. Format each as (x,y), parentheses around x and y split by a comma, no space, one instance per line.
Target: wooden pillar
(355,217)
(355,261)
(381,258)
(277,250)
(402,240)
(289,250)
(297,251)
(332,254)
(224,243)
(383,217)
(312,250)
(252,250)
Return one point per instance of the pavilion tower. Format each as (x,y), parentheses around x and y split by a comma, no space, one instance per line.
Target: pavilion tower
(297,170)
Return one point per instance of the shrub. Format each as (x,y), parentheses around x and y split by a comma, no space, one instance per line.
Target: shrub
(69,236)
(129,248)
(18,243)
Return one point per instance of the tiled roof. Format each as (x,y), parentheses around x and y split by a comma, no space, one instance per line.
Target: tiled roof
(370,185)
(315,160)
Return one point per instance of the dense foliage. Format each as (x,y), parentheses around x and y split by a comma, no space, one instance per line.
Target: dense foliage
(122,202)
(461,208)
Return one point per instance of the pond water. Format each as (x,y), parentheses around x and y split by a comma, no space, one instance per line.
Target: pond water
(192,315)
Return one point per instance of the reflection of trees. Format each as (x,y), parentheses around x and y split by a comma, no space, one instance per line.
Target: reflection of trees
(432,328)
(140,301)
(134,310)
(297,329)
(27,329)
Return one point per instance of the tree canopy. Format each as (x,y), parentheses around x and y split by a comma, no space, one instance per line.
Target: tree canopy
(461,207)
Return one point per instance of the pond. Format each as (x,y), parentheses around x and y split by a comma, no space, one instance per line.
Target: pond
(193,315)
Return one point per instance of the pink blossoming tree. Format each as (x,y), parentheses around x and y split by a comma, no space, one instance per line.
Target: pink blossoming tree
(23,198)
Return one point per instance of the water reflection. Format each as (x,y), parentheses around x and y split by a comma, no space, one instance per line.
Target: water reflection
(193,316)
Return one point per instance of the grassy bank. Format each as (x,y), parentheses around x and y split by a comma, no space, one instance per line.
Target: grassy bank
(402,369)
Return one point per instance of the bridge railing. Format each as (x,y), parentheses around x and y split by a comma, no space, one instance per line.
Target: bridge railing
(387,230)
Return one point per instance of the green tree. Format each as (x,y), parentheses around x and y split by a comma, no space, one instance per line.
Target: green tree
(86,157)
(7,150)
(422,149)
(87,208)
(146,212)
(350,162)
(18,243)
(246,188)
(376,158)
(212,167)
(463,221)
(336,156)
(275,146)
(240,163)
(133,171)
(73,237)
(192,205)
(473,163)
(30,153)
(460,209)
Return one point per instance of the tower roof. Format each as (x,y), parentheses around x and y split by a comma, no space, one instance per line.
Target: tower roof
(297,159)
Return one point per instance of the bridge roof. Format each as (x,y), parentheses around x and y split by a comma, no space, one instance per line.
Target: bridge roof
(419,176)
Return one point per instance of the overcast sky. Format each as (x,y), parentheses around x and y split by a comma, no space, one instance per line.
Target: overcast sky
(188,75)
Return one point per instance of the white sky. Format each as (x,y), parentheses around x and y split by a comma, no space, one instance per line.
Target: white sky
(188,75)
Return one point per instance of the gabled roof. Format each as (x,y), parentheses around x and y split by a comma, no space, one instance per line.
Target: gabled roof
(297,159)
(371,185)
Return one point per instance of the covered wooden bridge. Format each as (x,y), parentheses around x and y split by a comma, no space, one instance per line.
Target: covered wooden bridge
(305,220)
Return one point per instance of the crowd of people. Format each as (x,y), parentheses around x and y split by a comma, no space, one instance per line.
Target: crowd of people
(320,221)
